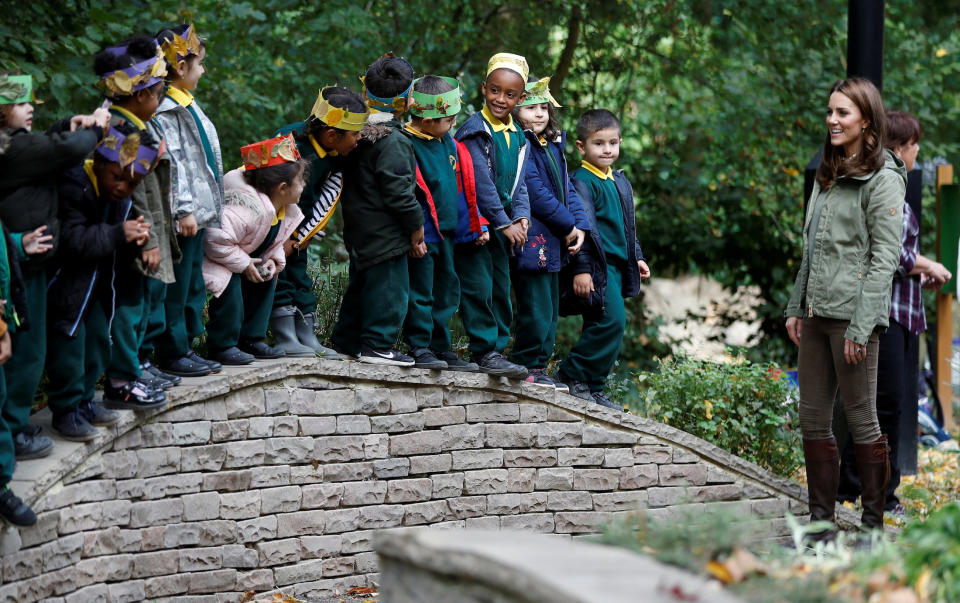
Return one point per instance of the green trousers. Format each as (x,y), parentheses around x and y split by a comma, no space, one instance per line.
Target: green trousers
(595,353)
(294,285)
(472,263)
(7,453)
(74,364)
(126,327)
(241,312)
(434,295)
(154,317)
(183,305)
(538,304)
(500,252)
(373,306)
(25,367)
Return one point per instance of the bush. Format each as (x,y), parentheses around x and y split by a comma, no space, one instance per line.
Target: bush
(740,406)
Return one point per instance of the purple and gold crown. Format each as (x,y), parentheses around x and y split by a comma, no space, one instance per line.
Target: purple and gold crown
(181,46)
(126,81)
(126,150)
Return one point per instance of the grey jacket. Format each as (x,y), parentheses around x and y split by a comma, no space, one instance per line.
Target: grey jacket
(194,188)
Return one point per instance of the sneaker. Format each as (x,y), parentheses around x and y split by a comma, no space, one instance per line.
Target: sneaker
(147,368)
(126,397)
(391,357)
(215,367)
(539,377)
(233,357)
(96,414)
(186,366)
(260,350)
(72,426)
(602,399)
(29,444)
(578,389)
(14,510)
(425,358)
(454,363)
(493,363)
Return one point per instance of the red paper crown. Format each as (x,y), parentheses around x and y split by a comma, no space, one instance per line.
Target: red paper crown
(273,151)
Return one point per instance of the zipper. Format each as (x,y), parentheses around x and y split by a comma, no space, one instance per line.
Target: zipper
(810,310)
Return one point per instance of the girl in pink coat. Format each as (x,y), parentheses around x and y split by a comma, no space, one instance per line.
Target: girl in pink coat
(243,257)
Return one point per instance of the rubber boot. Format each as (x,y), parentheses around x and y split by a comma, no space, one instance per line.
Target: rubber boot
(281,323)
(306,327)
(823,478)
(873,465)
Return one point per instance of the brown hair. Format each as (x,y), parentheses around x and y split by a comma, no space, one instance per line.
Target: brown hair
(902,129)
(4,115)
(834,163)
(553,130)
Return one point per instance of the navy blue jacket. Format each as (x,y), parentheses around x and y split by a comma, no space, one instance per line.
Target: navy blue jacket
(550,221)
(592,259)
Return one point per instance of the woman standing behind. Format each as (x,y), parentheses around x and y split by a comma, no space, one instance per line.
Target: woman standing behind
(841,298)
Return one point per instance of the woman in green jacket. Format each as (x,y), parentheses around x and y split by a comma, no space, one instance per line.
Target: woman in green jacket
(841,298)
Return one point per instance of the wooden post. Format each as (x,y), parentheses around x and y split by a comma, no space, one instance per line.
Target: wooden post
(944,322)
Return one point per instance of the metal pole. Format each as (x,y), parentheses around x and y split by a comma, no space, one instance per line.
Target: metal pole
(865,40)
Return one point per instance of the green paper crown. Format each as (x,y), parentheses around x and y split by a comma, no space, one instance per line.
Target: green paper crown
(436,106)
(539,92)
(16,89)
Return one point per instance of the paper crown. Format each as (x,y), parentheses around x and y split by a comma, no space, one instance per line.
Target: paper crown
(126,81)
(126,150)
(335,117)
(513,62)
(273,151)
(16,89)
(439,105)
(181,46)
(539,92)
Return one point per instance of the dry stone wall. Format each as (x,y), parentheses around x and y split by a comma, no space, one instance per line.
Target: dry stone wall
(276,476)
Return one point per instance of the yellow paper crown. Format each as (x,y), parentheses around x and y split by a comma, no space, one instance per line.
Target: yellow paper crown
(180,47)
(513,62)
(336,117)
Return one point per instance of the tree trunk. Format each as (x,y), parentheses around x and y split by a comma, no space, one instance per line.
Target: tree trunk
(566,57)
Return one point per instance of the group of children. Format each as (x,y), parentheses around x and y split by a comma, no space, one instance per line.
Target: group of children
(118,224)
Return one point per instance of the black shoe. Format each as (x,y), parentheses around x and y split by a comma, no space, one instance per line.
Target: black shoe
(342,352)
(576,388)
(602,399)
(186,366)
(493,363)
(166,380)
(72,426)
(233,357)
(96,414)
(215,367)
(154,383)
(125,398)
(29,444)
(425,358)
(455,364)
(390,357)
(14,510)
(260,350)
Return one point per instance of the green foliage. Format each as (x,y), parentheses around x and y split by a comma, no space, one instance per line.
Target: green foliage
(933,553)
(740,406)
(329,284)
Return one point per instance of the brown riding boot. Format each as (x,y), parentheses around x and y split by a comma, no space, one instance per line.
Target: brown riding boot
(823,477)
(873,465)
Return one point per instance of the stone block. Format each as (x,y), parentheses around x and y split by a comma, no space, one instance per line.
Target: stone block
(391,468)
(716,475)
(278,401)
(280,500)
(285,427)
(521,479)
(239,505)
(639,476)
(215,410)
(407,444)
(511,436)
(153,435)
(681,455)
(447,415)
(306,474)
(185,412)
(315,547)
(492,412)
(353,424)
(247,402)
(270,477)
(335,402)
(554,478)
(338,449)
(338,566)
(257,580)
(683,475)
(357,542)
(645,454)
(278,552)
(553,434)
(157,461)
(569,501)
(406,401)
(572,457)
(239,557)
(215,532)
(373,401)
(217,581)
(577,522)
(326,496)
(559,414)
(201,559)
(409,490)
(151,539)
(227,481)
(485,481)
(161,563)
(255,530)
(429,397)
(512,504)
(541,523)
(153,513)
(62,552)
(714,493)
(132,488)
(367,563)
(131,439)
(126,592)
(300,523)
(111,541)
(81,517)
(770,507)
(165,586)
(191,433)
(288,450)
(203,458)
(456,524)
(464,507)
(97,593)
(533,413)
(342,520)
(314,426)
(447,485)
(456,437)
(595,434)
(482,523)
(528,458)
(363,493)
(424,512)
(596,479)
(413,421)
(619,501)
(347,472)
(119,465)
(249,453)
(305,571)
(456,396)
(170,485)
(260,427)
(380,516)
(618,457)
(376,446)
(665,497)
(433,463)
(477,459)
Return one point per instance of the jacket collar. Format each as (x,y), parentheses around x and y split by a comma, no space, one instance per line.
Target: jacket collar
(318,148)
(126,114)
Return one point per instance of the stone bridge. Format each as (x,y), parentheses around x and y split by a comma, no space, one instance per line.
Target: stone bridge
(274,477)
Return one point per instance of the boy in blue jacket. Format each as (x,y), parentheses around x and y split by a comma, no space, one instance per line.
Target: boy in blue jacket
(610,267)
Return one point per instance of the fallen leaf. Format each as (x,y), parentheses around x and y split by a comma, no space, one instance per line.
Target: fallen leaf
(248,596)
(720,572)
(360,590)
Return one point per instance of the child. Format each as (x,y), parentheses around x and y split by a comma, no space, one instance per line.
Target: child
(499,154)
(197,191)
(610,268)
(556,233)
(101,235)
(450,217)
(29,169)
(260,214)
(382,221)
(131,78)
(329,133)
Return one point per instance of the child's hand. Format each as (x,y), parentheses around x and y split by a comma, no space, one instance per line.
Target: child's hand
(644,269)
(101,117)
(151,257)
(36,242)
(418,246)
(525,224)
(515,234)
(136,231)
(252,271)
(583,285)
(483,239)
(187,226)
(288,247)
(6,348)
(574,240)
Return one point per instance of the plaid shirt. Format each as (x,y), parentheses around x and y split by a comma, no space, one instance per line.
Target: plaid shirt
(906,300)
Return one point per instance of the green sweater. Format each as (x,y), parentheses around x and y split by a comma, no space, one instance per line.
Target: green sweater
(437,159)
(606,202)
(507,158)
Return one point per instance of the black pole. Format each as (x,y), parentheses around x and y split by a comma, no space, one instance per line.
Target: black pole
(865,40)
